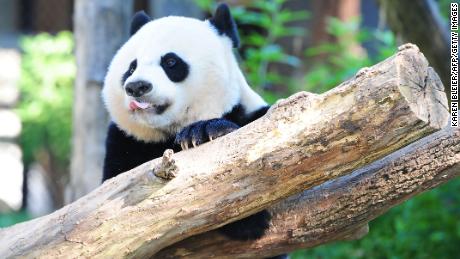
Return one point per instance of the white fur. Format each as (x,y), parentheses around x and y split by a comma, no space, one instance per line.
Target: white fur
(213,86)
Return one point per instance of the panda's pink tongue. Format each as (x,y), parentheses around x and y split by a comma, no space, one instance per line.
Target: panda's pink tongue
(135,105)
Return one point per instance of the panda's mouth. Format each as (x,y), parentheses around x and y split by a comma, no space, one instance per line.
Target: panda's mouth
(136,105)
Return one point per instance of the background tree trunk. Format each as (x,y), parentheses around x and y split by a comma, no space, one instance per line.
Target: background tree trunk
(345,10)
(100,28)
(316,33)
(162,8)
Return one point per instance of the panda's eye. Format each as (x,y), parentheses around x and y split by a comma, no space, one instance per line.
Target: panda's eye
(170,62)
(132,67)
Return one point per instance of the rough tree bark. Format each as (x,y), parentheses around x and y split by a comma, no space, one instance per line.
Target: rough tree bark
(95,47)
(302,142)
(420,22)
(339,209)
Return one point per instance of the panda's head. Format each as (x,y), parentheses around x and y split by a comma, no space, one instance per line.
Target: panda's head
(173,71)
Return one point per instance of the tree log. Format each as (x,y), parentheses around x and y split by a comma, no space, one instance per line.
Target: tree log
(302,142)
(339,209)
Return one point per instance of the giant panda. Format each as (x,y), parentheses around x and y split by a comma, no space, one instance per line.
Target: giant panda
(176,84)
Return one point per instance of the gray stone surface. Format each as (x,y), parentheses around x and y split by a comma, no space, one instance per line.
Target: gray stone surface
(11,175)
(10,124)
(10,72)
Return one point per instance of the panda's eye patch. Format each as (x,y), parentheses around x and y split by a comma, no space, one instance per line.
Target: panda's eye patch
(129,72)
(174,66)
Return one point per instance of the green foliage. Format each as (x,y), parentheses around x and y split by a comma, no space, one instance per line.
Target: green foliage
(11,218)
(45,108)
(444,8)
(426,226)
(261,48)
(335,62)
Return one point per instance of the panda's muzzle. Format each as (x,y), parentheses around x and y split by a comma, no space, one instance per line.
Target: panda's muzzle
(138,88)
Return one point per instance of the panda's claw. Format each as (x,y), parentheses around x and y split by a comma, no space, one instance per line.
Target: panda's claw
(203,131)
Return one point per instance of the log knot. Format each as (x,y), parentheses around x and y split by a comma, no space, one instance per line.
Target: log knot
(167,169)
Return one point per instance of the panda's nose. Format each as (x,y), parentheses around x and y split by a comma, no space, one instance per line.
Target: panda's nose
(138,88)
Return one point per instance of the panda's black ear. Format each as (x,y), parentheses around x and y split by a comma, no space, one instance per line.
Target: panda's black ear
(139,20)
(225,25)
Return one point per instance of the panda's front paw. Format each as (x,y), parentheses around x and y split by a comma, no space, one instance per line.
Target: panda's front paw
(203,131)
(250,228)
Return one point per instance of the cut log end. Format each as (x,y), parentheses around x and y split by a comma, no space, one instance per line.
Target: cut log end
(421,87)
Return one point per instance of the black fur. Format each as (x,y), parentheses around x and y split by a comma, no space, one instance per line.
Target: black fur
(132,67)
(249,228)
(139,20)
(225,25)
(282,256)
(174,66)
(203,131)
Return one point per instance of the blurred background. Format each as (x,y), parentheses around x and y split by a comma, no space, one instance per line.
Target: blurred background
(54,53)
